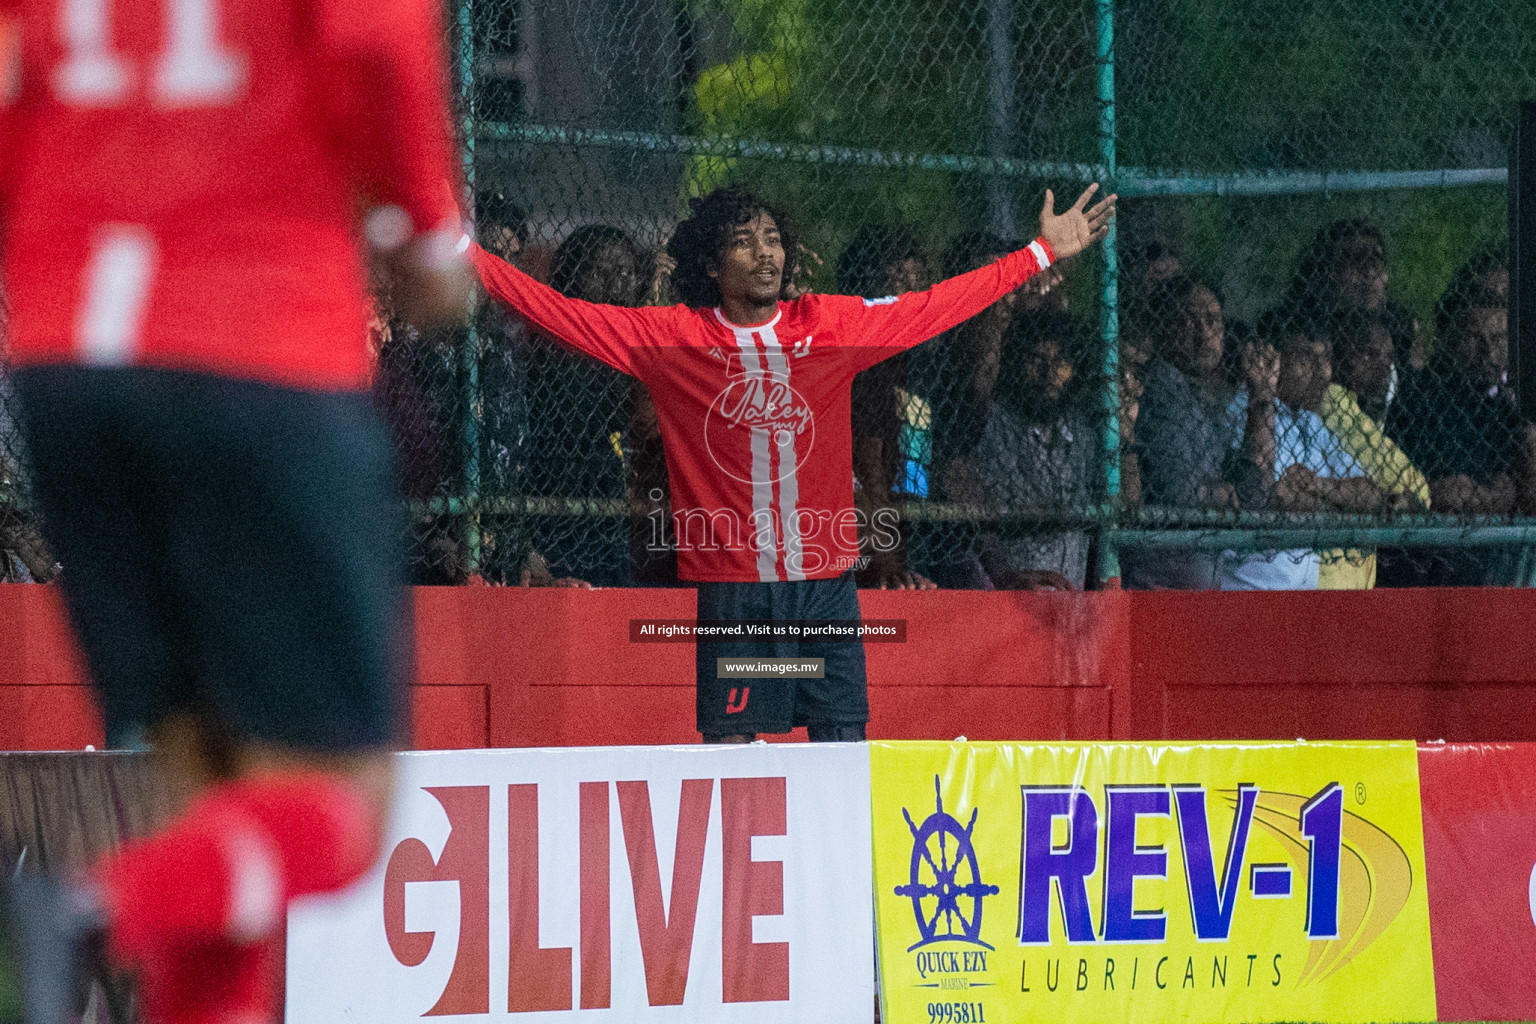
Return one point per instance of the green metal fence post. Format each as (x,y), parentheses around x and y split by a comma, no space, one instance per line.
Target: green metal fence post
(1003,116)
(1109,555)
(469,355)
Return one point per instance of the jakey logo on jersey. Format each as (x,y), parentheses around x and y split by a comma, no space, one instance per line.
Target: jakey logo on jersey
(758,406)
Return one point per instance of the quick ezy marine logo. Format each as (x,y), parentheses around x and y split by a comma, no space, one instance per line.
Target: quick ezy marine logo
(948,896)
(945,878)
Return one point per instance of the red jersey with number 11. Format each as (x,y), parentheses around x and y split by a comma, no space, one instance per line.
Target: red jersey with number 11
(180,180)
(755,419)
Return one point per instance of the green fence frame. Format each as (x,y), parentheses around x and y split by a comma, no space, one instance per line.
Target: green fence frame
(1109,521)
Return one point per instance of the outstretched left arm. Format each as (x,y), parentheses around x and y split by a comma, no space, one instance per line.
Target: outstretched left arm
(880,328)
(884,327)
(1081,226)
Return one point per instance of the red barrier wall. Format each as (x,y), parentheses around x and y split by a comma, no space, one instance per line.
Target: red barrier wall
(1479,802)
(515,667)
(1385,664)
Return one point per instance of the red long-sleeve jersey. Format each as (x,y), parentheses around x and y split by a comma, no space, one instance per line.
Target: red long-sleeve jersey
(180,181)
(755,420)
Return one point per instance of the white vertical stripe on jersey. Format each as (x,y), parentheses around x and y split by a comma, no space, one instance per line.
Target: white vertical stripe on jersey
(762,464)
(115,292)
(197,70)
(788,474)
(92,75)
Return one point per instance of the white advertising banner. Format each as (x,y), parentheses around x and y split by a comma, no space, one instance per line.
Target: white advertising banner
(728,885)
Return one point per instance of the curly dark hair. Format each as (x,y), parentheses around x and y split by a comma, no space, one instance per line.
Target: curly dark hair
(1475,284)
(863,267)
(699,241)
(1342,241)
(581,247)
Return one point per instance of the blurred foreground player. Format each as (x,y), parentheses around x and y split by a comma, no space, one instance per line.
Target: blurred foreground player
(179,184)
(752,393)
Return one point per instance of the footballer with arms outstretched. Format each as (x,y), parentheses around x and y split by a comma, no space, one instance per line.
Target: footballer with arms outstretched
(752,393)
(180,190)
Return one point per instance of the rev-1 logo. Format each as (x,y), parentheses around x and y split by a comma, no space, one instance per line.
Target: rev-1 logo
(540,978)
(1314,832)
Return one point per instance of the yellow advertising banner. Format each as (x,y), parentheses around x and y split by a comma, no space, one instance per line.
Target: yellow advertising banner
(1137,882)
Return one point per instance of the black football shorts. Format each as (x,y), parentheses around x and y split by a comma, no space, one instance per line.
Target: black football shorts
(229,548)
(775,705)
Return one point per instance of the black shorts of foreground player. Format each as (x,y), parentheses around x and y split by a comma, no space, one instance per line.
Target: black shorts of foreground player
(232,550)
(752,394)
(234,579)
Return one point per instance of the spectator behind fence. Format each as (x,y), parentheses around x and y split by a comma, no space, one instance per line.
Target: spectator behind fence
(1363,363)
(24,555)
(1343,270)
(579,415)
(1362,359)
(956,373)
(502,227)
(1290,461)
(1135,354)
(1186,428)
(1037,456)
(1458,421)
(892,424)
(415,392)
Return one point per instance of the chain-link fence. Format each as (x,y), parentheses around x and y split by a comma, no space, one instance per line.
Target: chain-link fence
(1333,174)
(24,555)
(1288,365)
(1289,368)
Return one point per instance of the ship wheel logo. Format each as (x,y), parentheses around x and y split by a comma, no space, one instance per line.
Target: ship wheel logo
(945,884)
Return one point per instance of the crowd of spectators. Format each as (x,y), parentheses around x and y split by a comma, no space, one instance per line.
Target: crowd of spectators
(1336,400)
(1327,405)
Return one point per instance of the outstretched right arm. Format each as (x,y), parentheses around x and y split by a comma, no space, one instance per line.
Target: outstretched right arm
(382,83)
(609,333)
(384,90)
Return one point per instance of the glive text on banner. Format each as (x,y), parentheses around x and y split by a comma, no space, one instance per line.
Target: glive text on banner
(1202,883)
(708,884)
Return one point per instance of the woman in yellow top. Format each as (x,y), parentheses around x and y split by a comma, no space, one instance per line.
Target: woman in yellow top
(1362,359)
